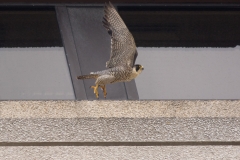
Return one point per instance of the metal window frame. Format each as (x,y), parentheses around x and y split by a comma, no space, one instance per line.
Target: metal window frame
(70,51)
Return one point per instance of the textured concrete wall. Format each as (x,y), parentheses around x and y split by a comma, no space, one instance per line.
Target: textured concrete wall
(121,152)
(119,129)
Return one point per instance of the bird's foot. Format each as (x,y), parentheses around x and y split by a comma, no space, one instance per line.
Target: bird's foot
(95,90)
(104,91)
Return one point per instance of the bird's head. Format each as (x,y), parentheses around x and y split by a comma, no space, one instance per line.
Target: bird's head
(138,68)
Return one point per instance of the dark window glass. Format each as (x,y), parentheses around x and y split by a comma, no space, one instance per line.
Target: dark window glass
(183,26)
(29,27)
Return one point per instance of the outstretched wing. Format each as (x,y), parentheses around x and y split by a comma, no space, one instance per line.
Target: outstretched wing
(123,47)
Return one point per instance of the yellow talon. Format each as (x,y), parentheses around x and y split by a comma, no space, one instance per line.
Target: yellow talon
(104,91)
(95,90)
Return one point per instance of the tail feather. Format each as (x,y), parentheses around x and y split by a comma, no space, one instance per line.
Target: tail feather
(90,76)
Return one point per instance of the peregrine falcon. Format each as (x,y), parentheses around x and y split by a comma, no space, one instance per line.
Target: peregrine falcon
(121,66)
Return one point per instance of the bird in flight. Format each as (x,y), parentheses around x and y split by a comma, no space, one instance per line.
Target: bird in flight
(121,65)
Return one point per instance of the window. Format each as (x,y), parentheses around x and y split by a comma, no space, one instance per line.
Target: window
(33,64)
(187,52)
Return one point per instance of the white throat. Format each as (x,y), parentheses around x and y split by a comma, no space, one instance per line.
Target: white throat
(135,73)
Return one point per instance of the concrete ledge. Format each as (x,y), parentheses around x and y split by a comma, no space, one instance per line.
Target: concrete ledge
(119,129)
(119,121)
(128,109)
(122,152)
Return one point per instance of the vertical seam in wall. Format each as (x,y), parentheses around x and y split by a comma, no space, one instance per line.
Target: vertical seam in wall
(71,76)
(126,90)
(76,50)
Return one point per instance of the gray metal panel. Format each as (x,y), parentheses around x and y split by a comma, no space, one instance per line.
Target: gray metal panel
(35,74)
(70,49)
(189,73)
(131,89)
(93,47)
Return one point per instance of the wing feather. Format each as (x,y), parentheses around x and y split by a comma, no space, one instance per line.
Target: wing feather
(123,47)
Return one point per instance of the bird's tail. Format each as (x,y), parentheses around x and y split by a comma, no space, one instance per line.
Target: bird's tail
(90,76)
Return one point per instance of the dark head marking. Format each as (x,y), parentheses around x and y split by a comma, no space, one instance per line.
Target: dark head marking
(138,66)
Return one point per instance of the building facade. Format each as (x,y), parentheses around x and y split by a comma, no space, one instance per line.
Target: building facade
(185,105)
